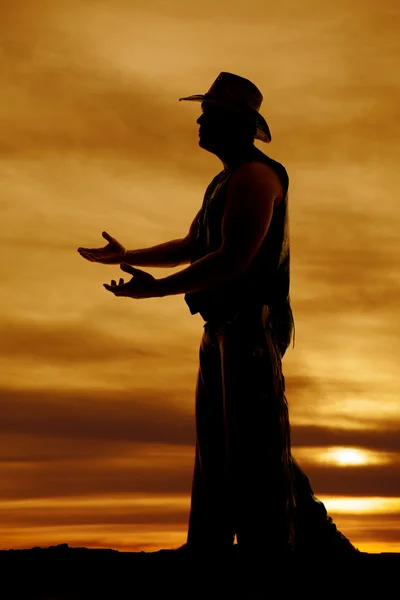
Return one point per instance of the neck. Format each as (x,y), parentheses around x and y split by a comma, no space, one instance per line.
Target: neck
(233,155)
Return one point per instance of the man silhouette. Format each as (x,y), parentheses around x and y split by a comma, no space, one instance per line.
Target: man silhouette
(246,482)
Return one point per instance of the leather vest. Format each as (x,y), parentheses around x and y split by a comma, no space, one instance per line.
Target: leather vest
(267,279)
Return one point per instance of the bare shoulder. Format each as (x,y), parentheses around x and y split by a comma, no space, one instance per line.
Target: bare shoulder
(258,175)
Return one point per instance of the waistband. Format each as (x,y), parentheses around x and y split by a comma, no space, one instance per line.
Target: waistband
(250,314)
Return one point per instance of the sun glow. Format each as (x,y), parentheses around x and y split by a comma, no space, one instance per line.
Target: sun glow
(361,505)
(349,456)
(342,456)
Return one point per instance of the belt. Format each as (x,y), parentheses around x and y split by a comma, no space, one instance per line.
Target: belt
(216,325)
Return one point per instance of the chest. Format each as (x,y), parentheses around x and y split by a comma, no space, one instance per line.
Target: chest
(213,210)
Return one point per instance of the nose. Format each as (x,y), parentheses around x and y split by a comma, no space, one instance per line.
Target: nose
(199,120)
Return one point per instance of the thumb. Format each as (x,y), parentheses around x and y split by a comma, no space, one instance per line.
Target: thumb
(107,236)
(128,269)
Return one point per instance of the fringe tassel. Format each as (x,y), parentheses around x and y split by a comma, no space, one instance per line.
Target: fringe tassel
(284,437)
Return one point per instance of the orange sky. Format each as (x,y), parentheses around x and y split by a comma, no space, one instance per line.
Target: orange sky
(97,393)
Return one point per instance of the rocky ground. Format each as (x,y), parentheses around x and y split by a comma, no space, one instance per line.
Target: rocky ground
(64,573)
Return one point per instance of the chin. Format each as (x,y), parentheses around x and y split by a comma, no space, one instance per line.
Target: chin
(206,145)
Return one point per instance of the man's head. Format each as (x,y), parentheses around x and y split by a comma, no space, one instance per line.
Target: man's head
(224,129)
(231,112)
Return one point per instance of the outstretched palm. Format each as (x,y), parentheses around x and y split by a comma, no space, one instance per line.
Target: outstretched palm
(142,284)
(112,254)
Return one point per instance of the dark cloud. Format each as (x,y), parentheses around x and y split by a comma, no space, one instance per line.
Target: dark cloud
(98,114)
(311,386)
(66,343)
(94,478)
(59,443)
(168,474)
(130,416)
(73,105)
(66,100)
(345,137)
(29,448)
(314,396)
(129,515)
(346,259)
(385,438)
(354,481)
(149,417)
(101,437)
(391,535)
(365,528)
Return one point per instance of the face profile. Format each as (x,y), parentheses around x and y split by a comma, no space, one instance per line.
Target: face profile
(221,129)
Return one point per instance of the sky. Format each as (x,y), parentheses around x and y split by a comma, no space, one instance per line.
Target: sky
(97,392)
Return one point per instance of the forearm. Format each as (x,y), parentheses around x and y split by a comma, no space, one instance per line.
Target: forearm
(211,270)
(169,254)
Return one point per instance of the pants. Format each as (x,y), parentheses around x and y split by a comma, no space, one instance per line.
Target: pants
(245,480)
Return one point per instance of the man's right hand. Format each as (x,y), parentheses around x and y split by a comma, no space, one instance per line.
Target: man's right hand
(112,254)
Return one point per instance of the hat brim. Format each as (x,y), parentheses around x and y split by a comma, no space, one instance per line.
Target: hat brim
(263,133)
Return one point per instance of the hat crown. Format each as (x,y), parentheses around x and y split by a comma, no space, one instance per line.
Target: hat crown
(235,90)
(236,94)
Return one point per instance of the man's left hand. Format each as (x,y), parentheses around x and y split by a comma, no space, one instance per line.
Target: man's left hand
(142,284)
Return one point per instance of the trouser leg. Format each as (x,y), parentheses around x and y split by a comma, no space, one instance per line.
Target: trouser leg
(254,440)
(314,528)
(210,522)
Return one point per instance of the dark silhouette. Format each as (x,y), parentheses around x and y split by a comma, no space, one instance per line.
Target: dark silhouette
(246,481)
(89,574)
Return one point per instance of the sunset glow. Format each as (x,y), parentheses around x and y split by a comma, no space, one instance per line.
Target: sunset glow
(371,505)
(97,392)
(348,456)
(342,457)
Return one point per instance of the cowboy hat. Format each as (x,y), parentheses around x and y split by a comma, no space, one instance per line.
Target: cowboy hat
(239,95)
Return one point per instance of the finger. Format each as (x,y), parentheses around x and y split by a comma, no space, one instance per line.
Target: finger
(89,250)
(107,236)
(128,268)
(87,256)
(94,257)
(123,289)
(121,281)
(115,290)
(113,282)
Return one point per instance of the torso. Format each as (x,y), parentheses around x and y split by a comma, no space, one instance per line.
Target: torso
(267,279)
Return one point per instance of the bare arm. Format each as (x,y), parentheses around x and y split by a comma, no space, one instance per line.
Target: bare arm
(252,192)
(168,254)
(251,196)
